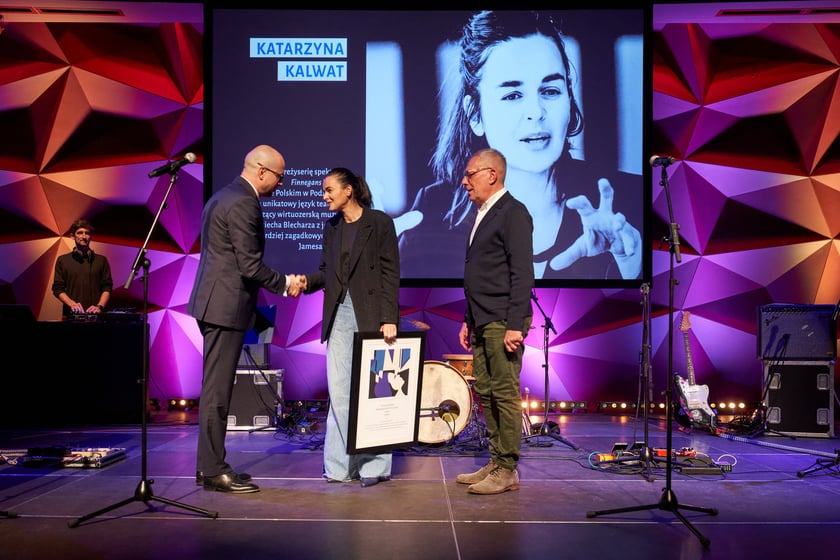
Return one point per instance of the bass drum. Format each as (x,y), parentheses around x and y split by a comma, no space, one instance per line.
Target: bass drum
(445,403)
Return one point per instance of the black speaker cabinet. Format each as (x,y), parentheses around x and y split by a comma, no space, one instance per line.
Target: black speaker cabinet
(59,385)
(799,398)
(255,400)
(797,332)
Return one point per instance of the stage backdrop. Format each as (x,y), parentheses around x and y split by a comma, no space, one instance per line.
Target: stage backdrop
(746,104)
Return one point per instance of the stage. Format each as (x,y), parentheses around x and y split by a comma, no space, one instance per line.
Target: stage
(767,502)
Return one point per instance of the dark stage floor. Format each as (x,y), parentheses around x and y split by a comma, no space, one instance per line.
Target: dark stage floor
(768,506)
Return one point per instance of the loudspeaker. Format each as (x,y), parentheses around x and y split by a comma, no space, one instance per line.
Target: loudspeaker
(257,395)
(799,398)
(797,332)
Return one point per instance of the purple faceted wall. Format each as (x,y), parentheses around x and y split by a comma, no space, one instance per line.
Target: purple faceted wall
(88,106)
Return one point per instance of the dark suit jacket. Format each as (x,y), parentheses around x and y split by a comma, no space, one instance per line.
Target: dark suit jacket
(499,268)
(374,282)
(231,270)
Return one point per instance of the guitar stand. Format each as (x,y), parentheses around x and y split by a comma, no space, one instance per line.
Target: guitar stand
(668,500)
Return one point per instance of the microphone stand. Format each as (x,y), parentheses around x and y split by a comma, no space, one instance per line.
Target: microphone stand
(668,500)
(646,456)
(143,492)
(543,429)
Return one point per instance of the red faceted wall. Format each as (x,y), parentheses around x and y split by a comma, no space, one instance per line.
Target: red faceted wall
(747,105)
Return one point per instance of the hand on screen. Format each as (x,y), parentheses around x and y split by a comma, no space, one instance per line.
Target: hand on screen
(603,230)
(407,221)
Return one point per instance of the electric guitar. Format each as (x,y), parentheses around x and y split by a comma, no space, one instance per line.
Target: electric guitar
(693,398)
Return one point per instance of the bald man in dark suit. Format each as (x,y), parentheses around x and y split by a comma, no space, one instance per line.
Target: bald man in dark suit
(224,302)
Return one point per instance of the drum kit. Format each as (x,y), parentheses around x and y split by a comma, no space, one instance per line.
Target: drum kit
(447,405)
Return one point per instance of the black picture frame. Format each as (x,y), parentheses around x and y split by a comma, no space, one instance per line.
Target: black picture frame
(385,392)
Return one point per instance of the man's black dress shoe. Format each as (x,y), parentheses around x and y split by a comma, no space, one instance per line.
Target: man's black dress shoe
(229,482)
(199,477)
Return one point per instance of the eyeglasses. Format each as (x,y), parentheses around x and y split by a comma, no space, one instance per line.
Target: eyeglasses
(278,175)
(469,174)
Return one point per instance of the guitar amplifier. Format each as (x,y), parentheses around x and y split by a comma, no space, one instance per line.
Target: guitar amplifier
(797,332)
(799,398)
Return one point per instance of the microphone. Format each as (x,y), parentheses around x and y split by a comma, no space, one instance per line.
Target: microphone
(664,161)
(173,166)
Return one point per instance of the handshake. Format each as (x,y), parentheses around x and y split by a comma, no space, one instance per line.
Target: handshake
(297,284)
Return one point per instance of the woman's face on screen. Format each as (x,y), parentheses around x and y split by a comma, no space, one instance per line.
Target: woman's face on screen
(525,105)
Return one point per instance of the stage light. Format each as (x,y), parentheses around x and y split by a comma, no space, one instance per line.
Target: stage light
(180,403)
(554,406)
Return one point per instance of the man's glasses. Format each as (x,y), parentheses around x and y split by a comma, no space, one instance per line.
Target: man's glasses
(469,174)
(278,175)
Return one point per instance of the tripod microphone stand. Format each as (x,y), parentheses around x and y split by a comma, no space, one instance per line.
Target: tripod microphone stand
(143,492)
(544,429)
(668,500)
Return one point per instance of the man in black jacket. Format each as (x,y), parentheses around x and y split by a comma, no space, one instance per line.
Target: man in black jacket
(498,281)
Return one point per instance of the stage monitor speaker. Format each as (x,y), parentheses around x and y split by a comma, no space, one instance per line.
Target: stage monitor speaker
(797,332)
(799,398)
(257,396)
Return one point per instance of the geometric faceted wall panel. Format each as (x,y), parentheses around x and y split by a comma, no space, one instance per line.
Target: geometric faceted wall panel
(87,109)
(750,112)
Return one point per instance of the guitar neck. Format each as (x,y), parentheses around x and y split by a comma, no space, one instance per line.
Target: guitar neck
(689,364)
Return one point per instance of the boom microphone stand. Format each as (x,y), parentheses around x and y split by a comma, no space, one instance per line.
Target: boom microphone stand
(544,428)
(143,492)
(668,500)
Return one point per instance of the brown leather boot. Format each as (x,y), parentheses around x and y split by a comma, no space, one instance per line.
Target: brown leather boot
(498,481)
(476,476)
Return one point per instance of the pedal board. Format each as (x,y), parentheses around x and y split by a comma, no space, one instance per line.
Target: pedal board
(88,458)
(93,457)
